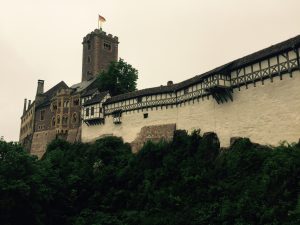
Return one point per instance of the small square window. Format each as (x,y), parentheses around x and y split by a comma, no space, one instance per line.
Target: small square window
(107,46)
(145,115)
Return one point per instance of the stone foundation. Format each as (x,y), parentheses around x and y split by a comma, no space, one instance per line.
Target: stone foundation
(153,133)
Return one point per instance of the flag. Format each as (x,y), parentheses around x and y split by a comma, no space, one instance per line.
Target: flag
(102,19)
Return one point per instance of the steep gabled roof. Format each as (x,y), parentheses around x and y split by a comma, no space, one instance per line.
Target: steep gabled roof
(82,86)
(96,99)
(52,91)
(89,92)
(48,95)
(238,63)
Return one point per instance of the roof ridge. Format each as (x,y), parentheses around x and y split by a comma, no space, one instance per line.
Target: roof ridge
(55,86)
(234,64)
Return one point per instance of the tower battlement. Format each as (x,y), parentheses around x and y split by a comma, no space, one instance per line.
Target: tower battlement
(100,33)
(99,50)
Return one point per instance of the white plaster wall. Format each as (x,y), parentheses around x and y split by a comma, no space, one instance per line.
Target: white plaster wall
(267,114)
(132,122)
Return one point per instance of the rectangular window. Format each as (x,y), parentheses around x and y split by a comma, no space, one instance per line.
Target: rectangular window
(42,114)
(145,115)
(87,111)
(101,110)
(92,111)
(139,99)
(107,46)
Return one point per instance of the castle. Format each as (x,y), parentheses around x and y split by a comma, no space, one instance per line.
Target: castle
(256,96)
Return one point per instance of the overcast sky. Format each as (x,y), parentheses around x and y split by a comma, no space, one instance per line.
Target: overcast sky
(163,39)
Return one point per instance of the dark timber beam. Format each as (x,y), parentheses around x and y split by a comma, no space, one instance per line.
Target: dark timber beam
(260,72)
(269,67)
(288,63)
(278,65)
(252,72)
(245,81)
(297,54)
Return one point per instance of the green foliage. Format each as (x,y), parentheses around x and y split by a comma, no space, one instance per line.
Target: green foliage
(187,181)
(120,78)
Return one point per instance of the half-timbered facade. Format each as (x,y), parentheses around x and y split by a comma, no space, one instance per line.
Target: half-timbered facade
(93,112)
(211,101)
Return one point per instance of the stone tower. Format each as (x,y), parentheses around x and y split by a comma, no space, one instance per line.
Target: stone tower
(99,50)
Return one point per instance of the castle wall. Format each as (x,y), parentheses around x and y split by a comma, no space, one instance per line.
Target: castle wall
(41,139)
(61,119)
(266,112)
(27,126)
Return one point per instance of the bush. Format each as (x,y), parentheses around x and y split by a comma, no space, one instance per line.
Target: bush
(186,181)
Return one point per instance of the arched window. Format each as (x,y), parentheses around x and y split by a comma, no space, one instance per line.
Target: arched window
(74,118)
(58,119)
(53,122)
(65,120)
(54,106)
(76,102)
(66,103)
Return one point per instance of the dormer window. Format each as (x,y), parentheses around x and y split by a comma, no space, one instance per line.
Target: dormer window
(107,46)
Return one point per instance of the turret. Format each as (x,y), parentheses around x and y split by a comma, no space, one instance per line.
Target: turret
(25,105)
(99,50)
(40,87)
(39,92)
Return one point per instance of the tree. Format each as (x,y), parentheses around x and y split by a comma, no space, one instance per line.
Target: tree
(120,78)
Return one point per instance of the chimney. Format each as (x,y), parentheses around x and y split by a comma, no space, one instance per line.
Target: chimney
(170,83)
(29,103)
(40,87)
(25,105)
